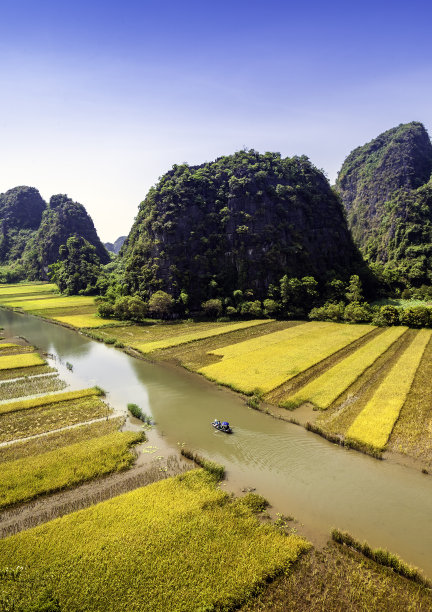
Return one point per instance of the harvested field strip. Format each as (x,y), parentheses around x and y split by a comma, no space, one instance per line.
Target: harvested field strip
(25,423)
(58,439)
(267,368)
(10,362)
(148,347)
(412,433)
(170,530)
(29,371)
(256,344)
(338,579)
(325,389)
(24,479)
(40,305)
(83,320)
(374,424)
(65,311)
(30,386)
(56,398)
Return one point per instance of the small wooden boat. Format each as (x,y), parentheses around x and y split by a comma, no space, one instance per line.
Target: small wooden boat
(222,426)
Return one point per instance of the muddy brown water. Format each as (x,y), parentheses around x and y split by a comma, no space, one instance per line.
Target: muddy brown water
(301,474)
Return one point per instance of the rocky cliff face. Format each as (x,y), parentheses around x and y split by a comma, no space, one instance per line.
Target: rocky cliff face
(241,222)
(62,219)
(385,189)
(114,247)
(21,210)
(31,232)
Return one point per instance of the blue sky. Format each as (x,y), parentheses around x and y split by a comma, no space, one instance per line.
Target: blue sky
(99,99)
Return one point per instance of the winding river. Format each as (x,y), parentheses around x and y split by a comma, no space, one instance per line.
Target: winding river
(301,474)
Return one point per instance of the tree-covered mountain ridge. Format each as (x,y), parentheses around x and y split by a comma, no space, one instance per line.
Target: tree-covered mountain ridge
(239,223)
(32,232)
(386,189)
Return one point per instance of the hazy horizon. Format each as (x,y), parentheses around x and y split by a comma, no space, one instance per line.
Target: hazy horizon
(100,100)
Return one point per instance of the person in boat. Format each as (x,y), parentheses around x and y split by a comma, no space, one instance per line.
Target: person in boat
(225,425)
(216,423)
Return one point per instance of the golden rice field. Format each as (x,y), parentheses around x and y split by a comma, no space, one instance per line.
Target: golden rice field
(179,544)
(10,362)
(24,479)
(51,302)
(30,385)
(214,330)
(55,398)
(24,288)
(248,368)
(57,439)
(23,423)
(8,345)
(86,320)
(374,424)
(323,390)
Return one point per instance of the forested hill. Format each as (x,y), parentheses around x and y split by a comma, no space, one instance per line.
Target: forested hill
(33,231)
(239,223)
(386,189)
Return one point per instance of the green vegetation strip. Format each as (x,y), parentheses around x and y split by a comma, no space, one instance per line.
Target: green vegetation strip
(325,389)
(148,347)
(10,362)
(26,478)
(55,398)
(374,424)
(178,544)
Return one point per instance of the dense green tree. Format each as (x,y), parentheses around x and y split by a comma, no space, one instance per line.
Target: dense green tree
(78,267)
(161,305)
(212,308)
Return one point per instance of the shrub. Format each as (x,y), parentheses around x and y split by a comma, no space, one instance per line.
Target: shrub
(331,311)
(358,313)
(212,308)
(106,310)
(389,314)
(417,316)
(161,304)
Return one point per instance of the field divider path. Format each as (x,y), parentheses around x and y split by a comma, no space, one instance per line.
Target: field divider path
(374,424)
(325,389)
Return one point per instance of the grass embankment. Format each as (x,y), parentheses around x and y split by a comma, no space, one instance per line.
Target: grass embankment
(26,360)
(374,424)
(26,478)
(58,439)
(31,386)
(325,389)
(247,367)
(28,422)
(338,578)
(179,544)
